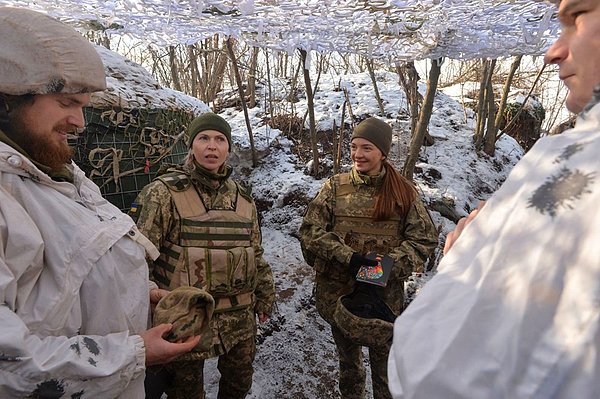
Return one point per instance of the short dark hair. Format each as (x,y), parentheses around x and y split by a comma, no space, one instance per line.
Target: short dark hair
(9,104)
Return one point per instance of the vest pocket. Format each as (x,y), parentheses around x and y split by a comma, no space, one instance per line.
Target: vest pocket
(243,269)
(223,272)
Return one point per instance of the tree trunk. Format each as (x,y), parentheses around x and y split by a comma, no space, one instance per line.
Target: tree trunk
(424,117)
(409,79)
(340,142)
(311,115)
(334,146)
(481,116)
(513,69)
(350,113)
(193,70)
(319,73)
(489,144)
(316,87)
(174,69)
(229,44)
(374,81)
(269,83)
(216,62)
(294,88)
(252,78)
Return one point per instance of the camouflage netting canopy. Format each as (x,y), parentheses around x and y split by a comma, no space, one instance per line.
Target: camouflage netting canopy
(390,30)
(131,129)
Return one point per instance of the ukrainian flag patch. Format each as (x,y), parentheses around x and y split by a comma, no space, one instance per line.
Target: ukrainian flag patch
(135,210)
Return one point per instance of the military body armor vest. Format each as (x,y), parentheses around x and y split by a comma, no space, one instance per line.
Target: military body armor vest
(215,249)
(353,222)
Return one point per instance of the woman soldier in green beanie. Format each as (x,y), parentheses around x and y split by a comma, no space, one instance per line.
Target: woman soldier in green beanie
(371,208)
(206,228)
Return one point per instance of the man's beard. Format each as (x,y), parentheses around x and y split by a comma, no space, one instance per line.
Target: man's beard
(40,147)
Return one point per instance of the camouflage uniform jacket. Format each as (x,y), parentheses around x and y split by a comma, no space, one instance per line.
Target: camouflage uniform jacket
(348,199)
(158,218)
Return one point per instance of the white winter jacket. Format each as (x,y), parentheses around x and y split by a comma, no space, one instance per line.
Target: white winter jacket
(73,288)
(514,311)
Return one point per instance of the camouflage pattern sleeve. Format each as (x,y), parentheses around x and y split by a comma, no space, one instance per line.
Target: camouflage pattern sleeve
(315,231)
(420,239)
(265,289)
(154,214)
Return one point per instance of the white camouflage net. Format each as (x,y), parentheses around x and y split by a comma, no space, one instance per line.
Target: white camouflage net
(391,30)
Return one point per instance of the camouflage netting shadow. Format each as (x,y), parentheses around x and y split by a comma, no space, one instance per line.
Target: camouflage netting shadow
(122,149)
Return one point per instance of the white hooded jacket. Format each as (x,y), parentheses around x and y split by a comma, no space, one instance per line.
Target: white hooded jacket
(514,311)
(73,288)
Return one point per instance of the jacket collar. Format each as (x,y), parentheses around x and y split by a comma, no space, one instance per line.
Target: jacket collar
(208,179)
(593,102)
(364,179)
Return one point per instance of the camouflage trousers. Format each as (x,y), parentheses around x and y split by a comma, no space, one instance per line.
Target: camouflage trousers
(185,379)
(352,375)
(352,371)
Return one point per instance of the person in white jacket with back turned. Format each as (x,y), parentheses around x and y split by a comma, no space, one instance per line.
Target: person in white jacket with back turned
(74,288)
(514,311)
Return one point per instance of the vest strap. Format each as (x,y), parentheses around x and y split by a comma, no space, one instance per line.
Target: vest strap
(186,198)
(231,303)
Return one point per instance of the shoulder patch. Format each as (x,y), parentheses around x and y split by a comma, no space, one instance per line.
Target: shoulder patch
(134,211)
(176,181)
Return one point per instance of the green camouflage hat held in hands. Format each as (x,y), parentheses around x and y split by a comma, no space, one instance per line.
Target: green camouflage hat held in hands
(189,310)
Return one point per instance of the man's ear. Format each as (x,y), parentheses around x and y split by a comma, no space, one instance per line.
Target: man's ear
(4,102)
(4,109)
(9,103)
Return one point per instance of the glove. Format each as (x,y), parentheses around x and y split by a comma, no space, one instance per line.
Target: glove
(357,260)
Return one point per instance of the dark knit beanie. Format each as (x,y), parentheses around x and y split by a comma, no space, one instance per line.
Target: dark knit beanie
(376,131)
(208,121)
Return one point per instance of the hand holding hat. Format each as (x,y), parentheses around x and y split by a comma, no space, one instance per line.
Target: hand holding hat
(189,310)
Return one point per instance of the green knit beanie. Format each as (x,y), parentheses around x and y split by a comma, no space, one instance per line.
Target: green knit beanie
(376,131)
(208,121)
